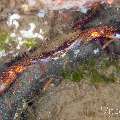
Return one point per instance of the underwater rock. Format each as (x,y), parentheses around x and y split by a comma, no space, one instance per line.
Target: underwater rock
(35,77)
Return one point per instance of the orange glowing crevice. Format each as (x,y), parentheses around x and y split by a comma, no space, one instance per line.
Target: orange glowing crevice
(9,76)
(19,69)
(95,34)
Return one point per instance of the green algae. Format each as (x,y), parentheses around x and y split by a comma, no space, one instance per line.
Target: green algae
(6,41)
(30,43)
(94,71)
(96,77)
(76,76)
(4,37)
